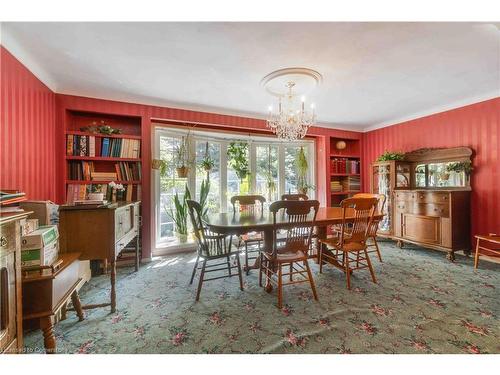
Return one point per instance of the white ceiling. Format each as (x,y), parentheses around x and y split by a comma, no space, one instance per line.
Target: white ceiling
(374,74)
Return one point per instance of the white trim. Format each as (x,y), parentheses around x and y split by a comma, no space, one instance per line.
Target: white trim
(434,110)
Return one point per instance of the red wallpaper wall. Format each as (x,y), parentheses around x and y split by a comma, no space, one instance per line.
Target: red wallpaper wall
(476,126)
(27,129)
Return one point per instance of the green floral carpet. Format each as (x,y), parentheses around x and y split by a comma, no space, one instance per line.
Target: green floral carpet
(421,304)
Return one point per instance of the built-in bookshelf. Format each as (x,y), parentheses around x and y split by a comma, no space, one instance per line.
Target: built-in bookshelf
(94,159)
(344,168)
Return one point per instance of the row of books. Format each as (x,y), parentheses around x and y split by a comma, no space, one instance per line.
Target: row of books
(79,192)
(80,145)
(85,171)
(350,183)
(344,165)
(85,145)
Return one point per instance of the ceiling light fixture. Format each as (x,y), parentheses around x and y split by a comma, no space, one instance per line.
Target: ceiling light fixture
(292,120)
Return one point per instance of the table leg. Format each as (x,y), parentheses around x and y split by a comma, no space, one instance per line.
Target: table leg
(113,282)
(75,299)
(47,327)
(137,259)
(268,245)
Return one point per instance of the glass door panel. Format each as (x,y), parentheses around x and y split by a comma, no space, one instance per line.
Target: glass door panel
(403,175)
(382,185)
(266,174)
(170,184)
(212,150)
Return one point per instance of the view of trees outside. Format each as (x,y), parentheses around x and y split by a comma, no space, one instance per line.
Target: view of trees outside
(214,153)
(267,169)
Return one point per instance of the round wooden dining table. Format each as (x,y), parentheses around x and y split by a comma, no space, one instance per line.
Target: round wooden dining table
(242,223)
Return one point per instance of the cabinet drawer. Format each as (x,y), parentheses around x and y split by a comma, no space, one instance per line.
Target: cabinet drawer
(124,221)
(431,209)
(405,196)
(432,197)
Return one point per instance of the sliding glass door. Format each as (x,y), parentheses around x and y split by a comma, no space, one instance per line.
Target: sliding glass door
(272,165)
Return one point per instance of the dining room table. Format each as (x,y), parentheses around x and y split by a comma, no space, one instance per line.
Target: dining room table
(239,223)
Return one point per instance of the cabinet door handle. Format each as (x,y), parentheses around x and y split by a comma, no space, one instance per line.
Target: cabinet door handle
(3,241)
(4,298)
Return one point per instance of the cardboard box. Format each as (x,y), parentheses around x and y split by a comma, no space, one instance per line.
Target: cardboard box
(45,211)
(28,226)
(43,236)
(44,256)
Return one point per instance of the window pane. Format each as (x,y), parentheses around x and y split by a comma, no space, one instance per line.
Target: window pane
(291,178)
(169,185)
(266,176)
(235,186)
(212,149)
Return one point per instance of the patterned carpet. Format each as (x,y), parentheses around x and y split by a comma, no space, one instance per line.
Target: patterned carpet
(421,304)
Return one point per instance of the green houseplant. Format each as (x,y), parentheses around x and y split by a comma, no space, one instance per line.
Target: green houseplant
(207,163)
(204,191)
(302,167)
(459,167)
(386,156)
(182,156)
(179,214)
(237,154)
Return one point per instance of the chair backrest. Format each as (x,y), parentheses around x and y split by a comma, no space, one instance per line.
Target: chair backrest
(210,244)
(299,218)
(381,198)
(248,203)
(294,197)
(359,229)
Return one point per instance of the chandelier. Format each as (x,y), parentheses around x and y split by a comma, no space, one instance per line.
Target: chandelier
(292,120)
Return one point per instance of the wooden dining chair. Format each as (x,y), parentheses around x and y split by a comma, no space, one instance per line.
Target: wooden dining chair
(249,205)
(291,251)
(294,197)
(352,238)
(211,247)
(372,244)
(489,243)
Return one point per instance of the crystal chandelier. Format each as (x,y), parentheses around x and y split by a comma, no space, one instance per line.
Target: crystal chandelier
(292,120)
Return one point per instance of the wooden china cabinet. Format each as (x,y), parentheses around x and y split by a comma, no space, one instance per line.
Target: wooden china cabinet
(428,198)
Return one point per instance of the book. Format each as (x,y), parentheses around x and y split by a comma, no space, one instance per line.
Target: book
(91,145)
(105,147)
(129,193)
(69,145)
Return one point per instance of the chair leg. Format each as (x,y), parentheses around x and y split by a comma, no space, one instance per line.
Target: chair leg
(347,269)
(194,270)
(476,255)
(291,270)
(370,266)
(200,282)
(378,250)
(229,265)
(280,287)
(246,259)
(239,272)
(311,280)
(260,269)
(320,256)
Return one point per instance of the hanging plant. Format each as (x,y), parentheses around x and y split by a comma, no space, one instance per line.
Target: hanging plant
(182,156)
(207,163)
(302,167)
(237,154)
(386,156)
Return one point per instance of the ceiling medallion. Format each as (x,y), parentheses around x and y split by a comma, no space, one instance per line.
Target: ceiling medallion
(291,120)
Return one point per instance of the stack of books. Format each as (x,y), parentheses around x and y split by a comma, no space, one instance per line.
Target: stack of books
(80,170)
(9,200)
(103,176)
(335,186)
(351,183)
(344,165)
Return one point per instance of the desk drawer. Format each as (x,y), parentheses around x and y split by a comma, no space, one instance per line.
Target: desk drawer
(124,221)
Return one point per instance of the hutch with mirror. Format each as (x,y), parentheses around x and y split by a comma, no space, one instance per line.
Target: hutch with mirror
(428,195)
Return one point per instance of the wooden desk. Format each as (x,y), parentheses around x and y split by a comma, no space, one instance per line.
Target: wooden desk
(237,224)
(11,322)
(46,291)
(100,233)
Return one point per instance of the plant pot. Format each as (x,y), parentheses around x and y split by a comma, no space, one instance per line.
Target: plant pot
(95,196)
(182,172)
(183,238)
(207,169)
(445,176)
(302,190)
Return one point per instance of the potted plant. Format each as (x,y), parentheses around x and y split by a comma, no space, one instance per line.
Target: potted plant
(207,163)
(182,157)
(386,156)
(302,167)
(179,215)
(459,168)
(237,154)
(204,190)
(96,193)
